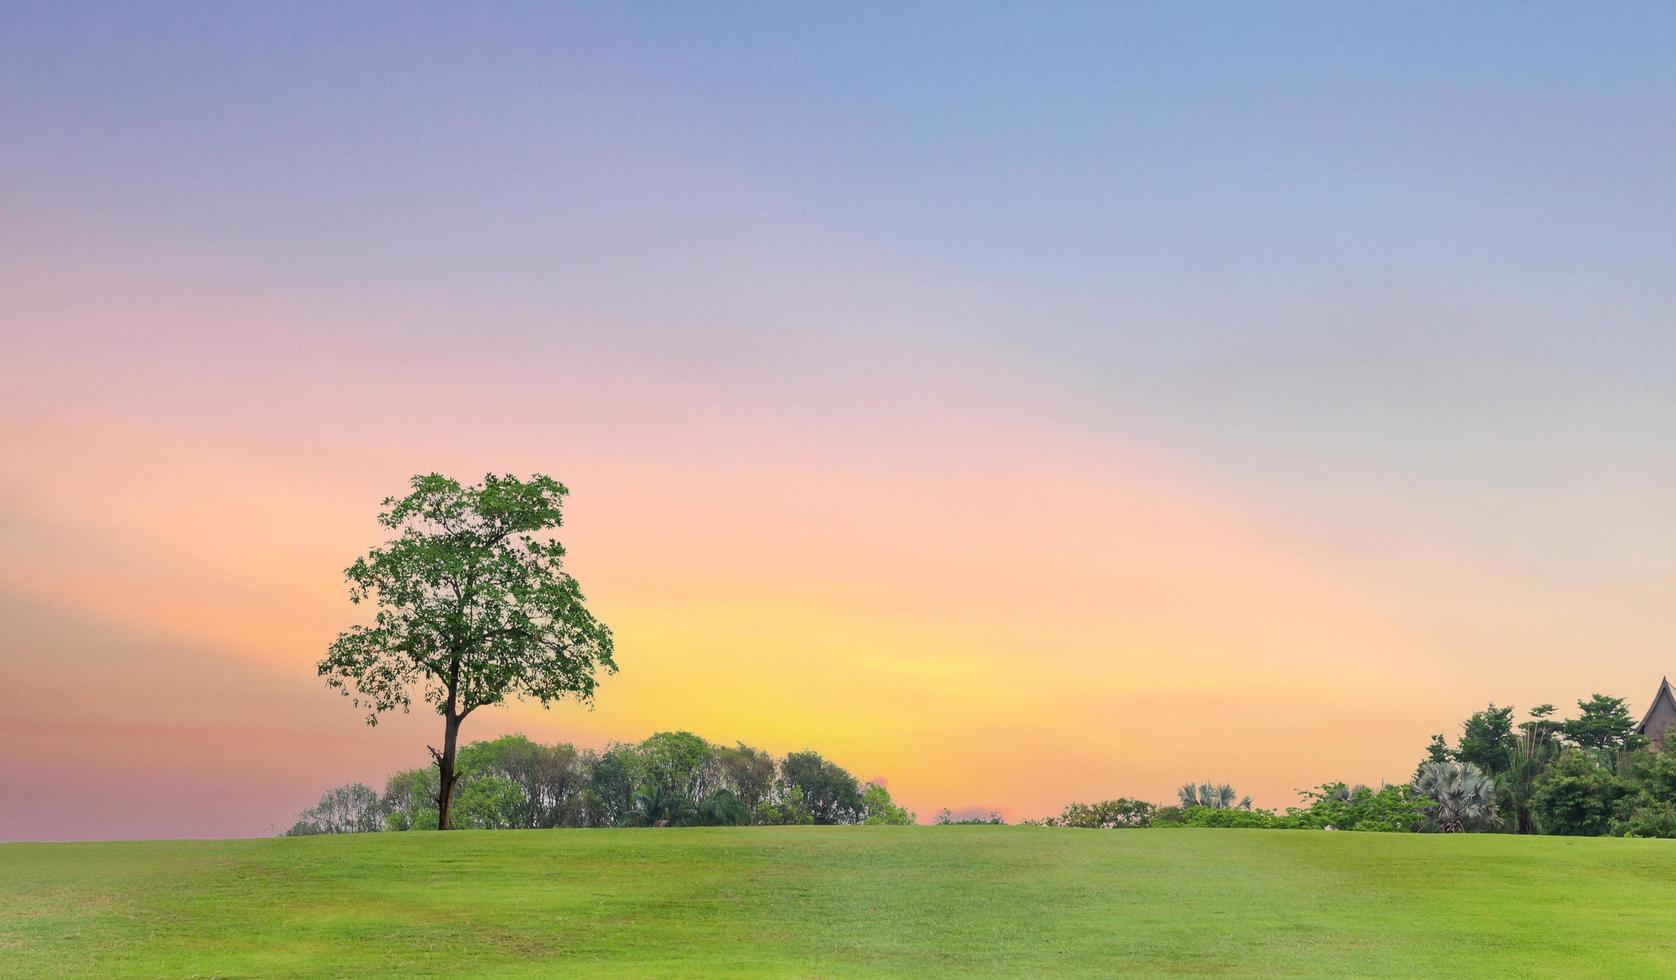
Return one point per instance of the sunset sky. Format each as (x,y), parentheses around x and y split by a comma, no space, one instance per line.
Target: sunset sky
(1018,404)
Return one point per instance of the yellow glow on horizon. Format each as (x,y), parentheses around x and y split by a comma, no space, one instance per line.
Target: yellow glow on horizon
(1115,636)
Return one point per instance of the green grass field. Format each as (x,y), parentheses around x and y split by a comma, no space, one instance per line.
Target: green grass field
(910,901)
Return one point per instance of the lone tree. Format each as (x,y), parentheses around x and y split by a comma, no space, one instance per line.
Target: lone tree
(474,607)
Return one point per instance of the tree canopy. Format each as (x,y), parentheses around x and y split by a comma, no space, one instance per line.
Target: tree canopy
(1487,740)
(832,795)
(1602,723)
(473,607)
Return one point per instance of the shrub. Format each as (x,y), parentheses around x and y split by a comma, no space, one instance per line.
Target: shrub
(1105,815)
(1390,809)
(1651,818)
(1577,796)
(1209,816)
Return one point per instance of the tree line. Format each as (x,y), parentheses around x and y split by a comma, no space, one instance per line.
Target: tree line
(1590,775)
(472,607)
(1330,806)
(672,779)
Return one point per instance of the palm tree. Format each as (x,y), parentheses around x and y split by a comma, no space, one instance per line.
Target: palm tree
(723,809)
(1462,796)
(659,806)
(1534,751)
(1215,796)
(1344,793)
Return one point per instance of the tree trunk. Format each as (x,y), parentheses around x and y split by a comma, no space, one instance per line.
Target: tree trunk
(445,763)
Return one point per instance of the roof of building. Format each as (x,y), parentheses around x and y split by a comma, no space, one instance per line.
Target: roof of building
(1664,693)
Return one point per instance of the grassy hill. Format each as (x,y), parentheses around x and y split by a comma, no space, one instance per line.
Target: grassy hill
(908,901)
